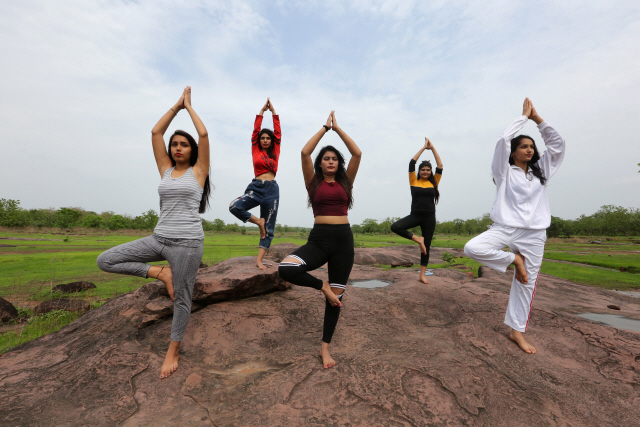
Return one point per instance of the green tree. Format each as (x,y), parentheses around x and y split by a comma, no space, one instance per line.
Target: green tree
(370,226)
(11,214)
(117,222)
(234,228)
(146,221)
(42,217)
(218,225)
(67,217)
(458,225)
(92,221)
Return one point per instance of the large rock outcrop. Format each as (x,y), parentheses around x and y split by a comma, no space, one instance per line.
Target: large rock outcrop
(407,355)
(233,279)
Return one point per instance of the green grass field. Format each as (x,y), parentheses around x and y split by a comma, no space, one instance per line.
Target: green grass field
(613,261)
(30,268)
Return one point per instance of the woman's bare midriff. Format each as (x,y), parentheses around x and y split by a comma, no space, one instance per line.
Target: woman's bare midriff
(268,176)
(325,219)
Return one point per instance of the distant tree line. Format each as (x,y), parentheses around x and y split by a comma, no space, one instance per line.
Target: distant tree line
(457,226)
(219,226)
(609,220)
(12,215)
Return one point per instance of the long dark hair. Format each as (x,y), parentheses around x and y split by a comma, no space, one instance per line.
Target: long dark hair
(431,178)
(206,193)
(273,141)
(341,175)
(537,172)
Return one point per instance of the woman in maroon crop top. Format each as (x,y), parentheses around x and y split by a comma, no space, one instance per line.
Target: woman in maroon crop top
(329,186)
(263,191)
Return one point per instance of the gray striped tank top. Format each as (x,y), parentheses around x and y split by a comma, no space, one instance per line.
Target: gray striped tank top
(179,204)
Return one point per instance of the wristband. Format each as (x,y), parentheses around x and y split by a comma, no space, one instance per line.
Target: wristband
(174,111)
(326,127)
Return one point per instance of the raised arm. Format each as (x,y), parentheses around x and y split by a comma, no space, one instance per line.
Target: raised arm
(277,132)
(157,135)
(429,146)
(307,150)
(257,124)
(356,154)
(201,168)
(552,158)
(500,162)
(419,153)
(264,108)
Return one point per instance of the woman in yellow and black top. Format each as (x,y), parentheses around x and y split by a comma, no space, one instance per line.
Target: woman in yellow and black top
(424,197)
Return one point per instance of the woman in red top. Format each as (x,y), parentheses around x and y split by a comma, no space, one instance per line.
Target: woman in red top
(263,190)
(329,186)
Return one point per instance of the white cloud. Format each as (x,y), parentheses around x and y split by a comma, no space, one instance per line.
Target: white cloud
(84,82)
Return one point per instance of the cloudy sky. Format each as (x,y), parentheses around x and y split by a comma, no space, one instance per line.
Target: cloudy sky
(83,82)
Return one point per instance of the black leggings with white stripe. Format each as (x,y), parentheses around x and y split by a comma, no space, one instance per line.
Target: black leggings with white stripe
(328,243)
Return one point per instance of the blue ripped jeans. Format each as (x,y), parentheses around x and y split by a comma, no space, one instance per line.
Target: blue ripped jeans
(263,193)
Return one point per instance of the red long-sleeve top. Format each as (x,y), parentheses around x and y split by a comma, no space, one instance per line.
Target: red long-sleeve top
(262,163)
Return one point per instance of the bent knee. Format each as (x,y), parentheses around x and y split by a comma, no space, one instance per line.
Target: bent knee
(472,250)
(290,267)
(103,262)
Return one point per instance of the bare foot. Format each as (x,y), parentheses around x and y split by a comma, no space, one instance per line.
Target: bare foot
(333,298)
(327,360)
(521,272)
(263,231)
(166,277)
(262,266)
(519,339)
(171,360)
(423,279)
(420,241)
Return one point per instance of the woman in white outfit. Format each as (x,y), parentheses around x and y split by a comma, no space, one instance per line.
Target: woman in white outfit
(520,214)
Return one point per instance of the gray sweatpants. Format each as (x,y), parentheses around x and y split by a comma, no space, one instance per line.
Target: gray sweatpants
(184,256)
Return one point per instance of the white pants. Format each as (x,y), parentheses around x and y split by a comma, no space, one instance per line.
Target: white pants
(487,249)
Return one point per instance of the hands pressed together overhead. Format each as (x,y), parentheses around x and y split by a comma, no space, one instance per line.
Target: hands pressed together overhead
(427,144)
(332,123)
(267,106)
(530,112)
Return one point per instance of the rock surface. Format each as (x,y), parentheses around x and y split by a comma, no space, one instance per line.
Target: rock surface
(233,279)
(407,355)
(7,311)
(61,304)
(74,287)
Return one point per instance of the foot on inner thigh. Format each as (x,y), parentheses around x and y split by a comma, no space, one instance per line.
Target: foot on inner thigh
(521,272)
(333,298)
(420,241)
(519,339)
(327,360)
(171,360)
(166,277)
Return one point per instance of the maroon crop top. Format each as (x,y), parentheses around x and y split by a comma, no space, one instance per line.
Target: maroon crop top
(330,200)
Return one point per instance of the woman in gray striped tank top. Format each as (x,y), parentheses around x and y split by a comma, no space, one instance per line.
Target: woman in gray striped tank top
(178,238)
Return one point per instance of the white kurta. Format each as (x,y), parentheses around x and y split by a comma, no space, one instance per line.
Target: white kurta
(521,215)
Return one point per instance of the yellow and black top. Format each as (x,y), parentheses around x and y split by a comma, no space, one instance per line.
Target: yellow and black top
(422,192)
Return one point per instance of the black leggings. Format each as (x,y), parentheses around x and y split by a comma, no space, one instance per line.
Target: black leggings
(427,223)
(328,243)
